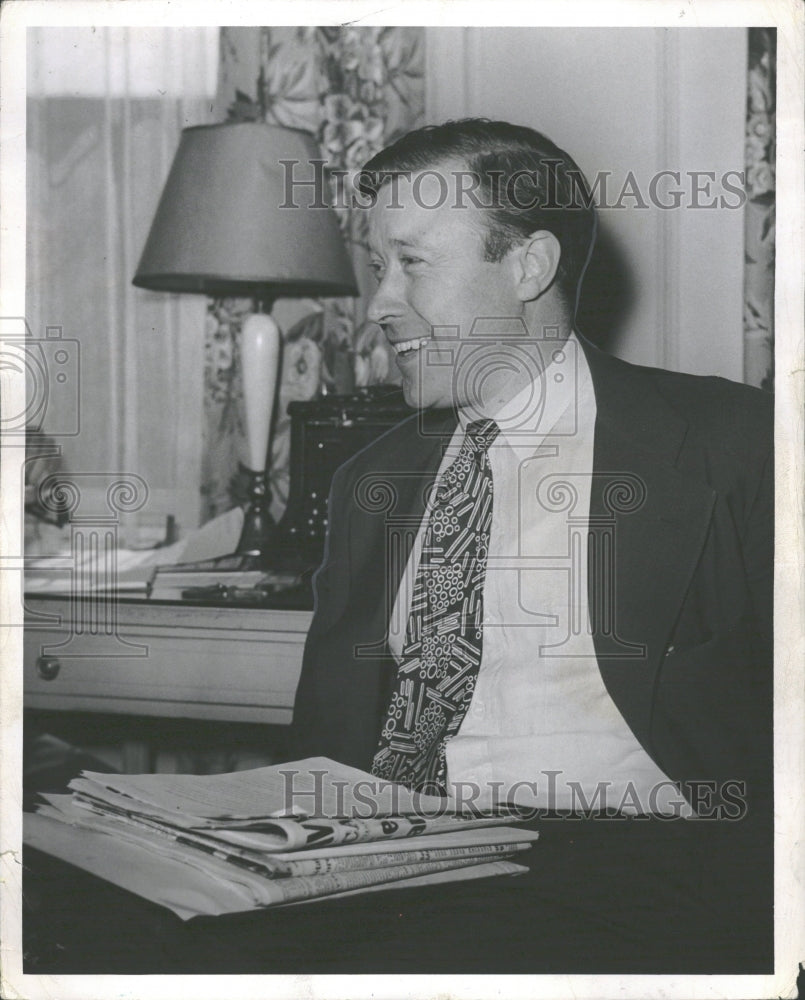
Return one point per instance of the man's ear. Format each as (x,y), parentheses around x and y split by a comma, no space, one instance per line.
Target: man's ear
(537,261)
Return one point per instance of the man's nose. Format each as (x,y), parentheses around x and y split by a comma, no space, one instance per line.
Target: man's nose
(387,304)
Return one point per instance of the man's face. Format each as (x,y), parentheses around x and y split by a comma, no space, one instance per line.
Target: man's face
(433,286)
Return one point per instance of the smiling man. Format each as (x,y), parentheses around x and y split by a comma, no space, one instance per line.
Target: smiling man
(552,584)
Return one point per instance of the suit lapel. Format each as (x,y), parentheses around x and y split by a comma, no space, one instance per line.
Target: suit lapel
(648,524)
(386,517)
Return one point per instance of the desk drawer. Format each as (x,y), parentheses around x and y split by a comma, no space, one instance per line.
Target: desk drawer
(192,663)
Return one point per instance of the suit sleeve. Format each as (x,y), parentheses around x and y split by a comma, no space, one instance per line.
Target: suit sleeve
(330,591)
(758,553)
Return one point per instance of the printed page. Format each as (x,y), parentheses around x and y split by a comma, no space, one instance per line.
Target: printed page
(459,839)
(315,786)
(280,834)
(462,842)
(490,869)
(192,887)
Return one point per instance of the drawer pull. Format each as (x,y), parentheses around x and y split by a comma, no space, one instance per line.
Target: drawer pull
(48,667)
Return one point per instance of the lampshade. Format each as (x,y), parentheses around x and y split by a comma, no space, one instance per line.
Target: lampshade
(221,227)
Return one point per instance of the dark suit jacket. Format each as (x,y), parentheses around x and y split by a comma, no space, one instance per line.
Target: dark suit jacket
(681,523)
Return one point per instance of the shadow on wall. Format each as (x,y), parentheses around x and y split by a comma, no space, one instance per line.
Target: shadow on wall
(607,295)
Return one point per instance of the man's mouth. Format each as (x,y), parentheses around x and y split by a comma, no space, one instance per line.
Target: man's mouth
(403,347)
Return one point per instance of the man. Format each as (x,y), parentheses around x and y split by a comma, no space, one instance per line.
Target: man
(552,584)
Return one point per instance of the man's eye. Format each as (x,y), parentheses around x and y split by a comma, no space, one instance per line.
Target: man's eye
(410,261)
(377,270)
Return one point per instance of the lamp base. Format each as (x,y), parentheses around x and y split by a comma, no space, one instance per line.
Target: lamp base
(259,528)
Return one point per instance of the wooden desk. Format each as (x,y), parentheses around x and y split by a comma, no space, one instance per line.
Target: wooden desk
(602,896)
(138,657)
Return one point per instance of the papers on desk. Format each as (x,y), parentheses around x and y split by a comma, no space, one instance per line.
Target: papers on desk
(90,570)
(226,843)
(129,572)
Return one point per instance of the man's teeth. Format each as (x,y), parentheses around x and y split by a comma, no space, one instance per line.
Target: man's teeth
(410,345)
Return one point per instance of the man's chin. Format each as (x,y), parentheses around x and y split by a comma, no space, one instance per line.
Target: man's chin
(419,400)
(421,395)
(411,396)
(412,393)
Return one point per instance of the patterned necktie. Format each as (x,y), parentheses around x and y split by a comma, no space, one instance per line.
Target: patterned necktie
(441,655)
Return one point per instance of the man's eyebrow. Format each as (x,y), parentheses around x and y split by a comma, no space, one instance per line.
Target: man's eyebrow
(419,240)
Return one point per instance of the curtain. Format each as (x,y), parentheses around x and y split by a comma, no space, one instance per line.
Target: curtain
(355,89)
(105,110)
(760,208)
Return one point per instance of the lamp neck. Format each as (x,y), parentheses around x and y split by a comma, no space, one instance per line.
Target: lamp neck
(262,303)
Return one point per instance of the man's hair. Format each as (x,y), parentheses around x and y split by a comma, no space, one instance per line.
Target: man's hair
(525,183)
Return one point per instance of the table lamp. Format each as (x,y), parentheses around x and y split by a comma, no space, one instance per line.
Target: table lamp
(236,219)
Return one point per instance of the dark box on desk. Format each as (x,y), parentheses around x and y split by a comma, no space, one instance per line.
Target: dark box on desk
(325,432)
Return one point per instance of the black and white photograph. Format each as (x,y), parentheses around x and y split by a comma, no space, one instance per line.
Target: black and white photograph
(402,493)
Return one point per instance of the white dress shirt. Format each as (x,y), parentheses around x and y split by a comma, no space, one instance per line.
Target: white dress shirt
(541,729)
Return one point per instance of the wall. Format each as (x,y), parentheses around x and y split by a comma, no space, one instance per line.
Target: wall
(665,286)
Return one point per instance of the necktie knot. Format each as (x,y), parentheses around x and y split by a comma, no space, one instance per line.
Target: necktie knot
(479,437)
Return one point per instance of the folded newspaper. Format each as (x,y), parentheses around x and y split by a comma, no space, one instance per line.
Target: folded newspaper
(290,833)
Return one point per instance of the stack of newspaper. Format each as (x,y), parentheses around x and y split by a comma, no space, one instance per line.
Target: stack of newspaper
(214,844)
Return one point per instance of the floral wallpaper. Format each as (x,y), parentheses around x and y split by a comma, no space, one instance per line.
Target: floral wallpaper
(760,208)
(355,89)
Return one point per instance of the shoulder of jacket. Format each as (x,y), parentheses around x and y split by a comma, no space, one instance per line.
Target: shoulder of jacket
(725,414)
(420,428)
(366,459)
(738,417)
(392,453)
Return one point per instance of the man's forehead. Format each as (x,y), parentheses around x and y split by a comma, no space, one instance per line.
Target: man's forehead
(423,207)
(429,186)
